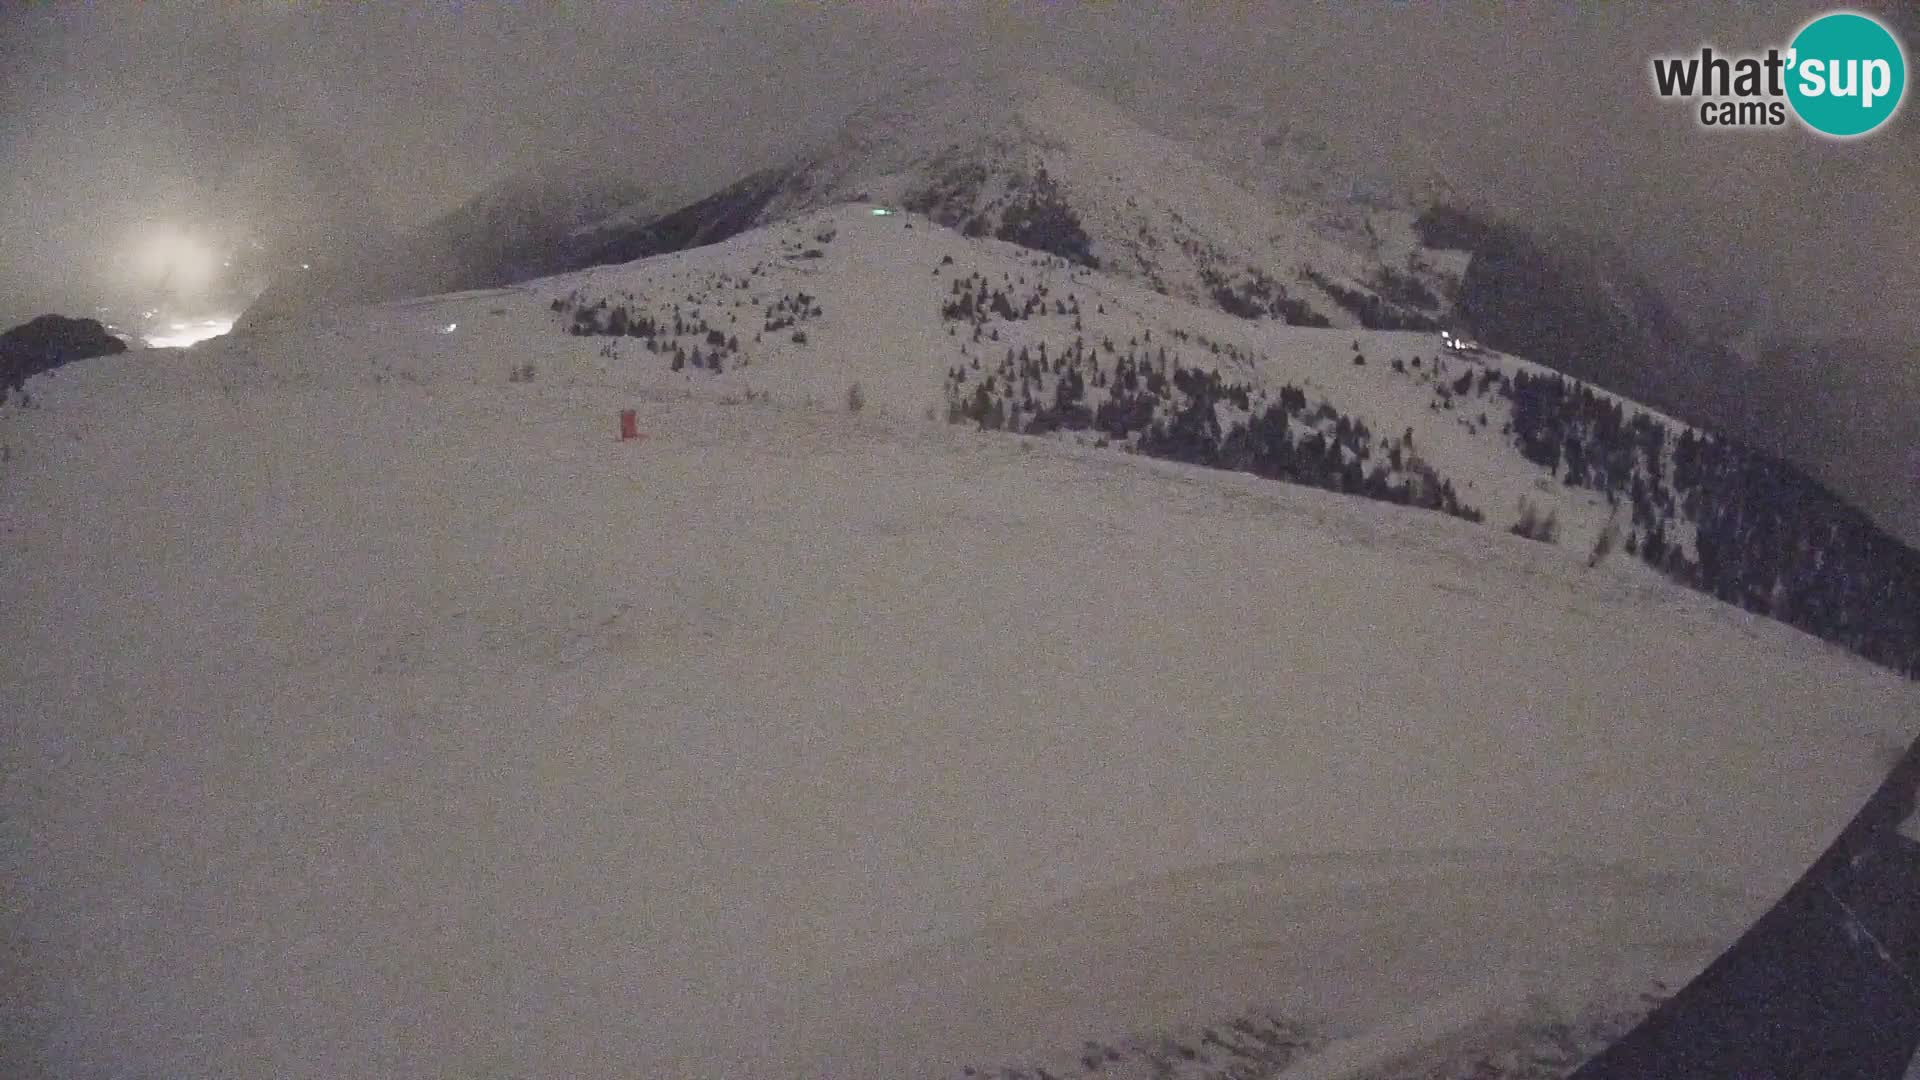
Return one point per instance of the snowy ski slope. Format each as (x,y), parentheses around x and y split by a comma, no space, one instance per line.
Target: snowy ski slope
(376,713)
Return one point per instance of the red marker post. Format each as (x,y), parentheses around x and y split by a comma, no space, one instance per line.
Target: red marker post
(629,428)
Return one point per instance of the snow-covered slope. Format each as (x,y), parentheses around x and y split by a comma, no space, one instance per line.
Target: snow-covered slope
(804,309)
(1038,344)
(991,332)
(379,712)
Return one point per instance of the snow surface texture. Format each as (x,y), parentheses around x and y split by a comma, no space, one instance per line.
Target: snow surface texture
(378,712)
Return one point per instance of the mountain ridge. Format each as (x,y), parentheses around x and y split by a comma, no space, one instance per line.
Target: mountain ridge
(968,152)
(1042,163)
(1037,344)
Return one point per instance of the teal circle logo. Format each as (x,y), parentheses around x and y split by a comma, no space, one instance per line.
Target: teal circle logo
(1846,74)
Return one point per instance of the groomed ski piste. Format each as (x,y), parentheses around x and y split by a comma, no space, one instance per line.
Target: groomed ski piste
(377,711)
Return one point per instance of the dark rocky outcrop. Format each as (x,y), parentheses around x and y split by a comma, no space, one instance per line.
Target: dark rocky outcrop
(49,341)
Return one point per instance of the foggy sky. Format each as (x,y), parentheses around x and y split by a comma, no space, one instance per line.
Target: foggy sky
(317,123)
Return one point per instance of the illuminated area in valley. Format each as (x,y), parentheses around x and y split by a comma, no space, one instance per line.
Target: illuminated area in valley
(190,282)
(179,334)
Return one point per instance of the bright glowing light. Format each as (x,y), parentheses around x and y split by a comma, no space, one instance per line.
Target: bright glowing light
(172,259)
(305,266)
(179,335)
(450,328)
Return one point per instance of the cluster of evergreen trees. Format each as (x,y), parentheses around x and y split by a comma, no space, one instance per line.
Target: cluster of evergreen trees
(1773,541)
(1259,297)
(709,350)
(949,197)
(790,310)
(1029,391)
(1319,446)
(1035,213)
(1475,382)
(1767,537)
(1403,288)
(1373,312)
(1155,405)
(1038,217)
(974,301)
(1442,226)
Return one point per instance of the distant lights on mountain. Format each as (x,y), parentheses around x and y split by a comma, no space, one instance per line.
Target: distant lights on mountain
(181,334)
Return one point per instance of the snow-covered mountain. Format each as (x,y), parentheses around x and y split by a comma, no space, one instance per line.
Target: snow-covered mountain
(370,683)
(1047,165)
(1002,336)
(1009,338)
(1232,207)
(1241,211)
(1033,159)
(989,657)
(1038,344)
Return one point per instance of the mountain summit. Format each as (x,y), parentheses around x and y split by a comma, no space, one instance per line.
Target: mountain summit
(1032,159)
(1041,162)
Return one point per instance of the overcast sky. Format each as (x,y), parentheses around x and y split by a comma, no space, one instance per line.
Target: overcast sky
(263,116)
(290,122)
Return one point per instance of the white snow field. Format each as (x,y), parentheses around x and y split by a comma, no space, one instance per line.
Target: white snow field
(369,714)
